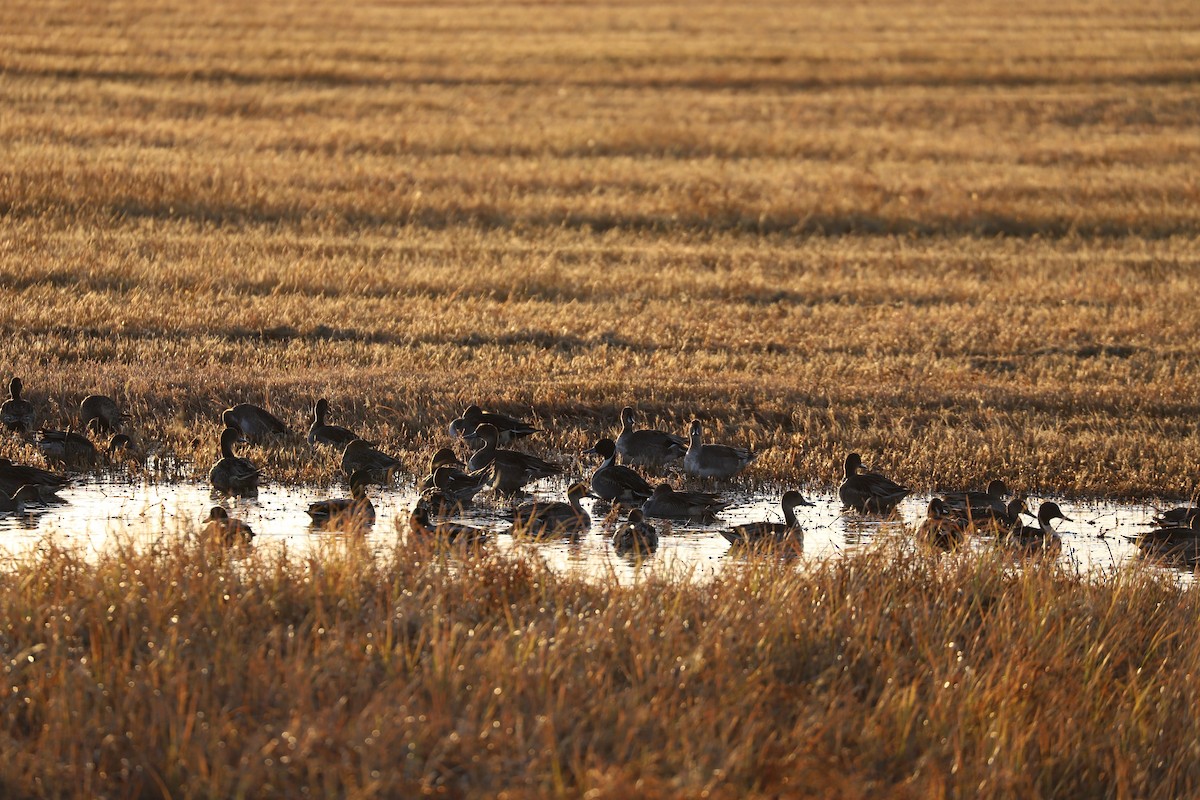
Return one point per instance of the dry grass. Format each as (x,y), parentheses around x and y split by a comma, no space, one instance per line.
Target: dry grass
(185,672)
(962,240)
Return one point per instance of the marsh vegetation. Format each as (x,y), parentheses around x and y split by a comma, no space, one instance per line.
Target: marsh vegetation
(961,239)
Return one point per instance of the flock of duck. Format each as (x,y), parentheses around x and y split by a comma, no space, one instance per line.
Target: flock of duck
(452,483)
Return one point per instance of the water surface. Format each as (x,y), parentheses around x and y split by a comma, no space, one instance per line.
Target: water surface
(102,511)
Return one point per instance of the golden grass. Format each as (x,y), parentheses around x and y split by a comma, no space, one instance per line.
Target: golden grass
(185,671)
(960,240)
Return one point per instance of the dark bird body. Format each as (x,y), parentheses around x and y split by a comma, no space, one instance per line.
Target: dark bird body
(755,532)
(869,492)
(507,428)
(320,432)
(615,482)
(648,447)
(511,470)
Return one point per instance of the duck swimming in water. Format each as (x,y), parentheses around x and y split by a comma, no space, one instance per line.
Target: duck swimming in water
(941,529)
(555,518)
(232,473)
(615,482)
(755,532)
(636,535)
(219,526)
(511,470)
(419,523)
(355,512)
(869,492)
(667,503)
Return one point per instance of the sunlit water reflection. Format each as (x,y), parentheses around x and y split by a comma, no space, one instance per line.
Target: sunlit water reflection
(100,512)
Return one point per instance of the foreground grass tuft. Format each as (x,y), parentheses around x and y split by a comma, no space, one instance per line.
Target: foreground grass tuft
(188,671)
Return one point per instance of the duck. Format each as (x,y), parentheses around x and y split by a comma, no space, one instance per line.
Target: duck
(978,505)
(255,422)
(66,447)
(713,460)
(555,518)
(636,535)
(615,482)
(1041,538)
(421,525)
(14,476)
(355,511)
(231,473)
(100,414)
(507,428)
(444,457)
(665,502)
(321,433)
(37,495)
(72,447)
(16,413)
(1179,517)
(219,526)
(648,447)
(868,492)
(1001,523)
(941,529)
(511,470)
(1175,542)
(453,489)
(755,532)
(359,455)
(11,505)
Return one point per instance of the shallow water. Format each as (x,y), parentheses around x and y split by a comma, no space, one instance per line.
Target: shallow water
(100,512)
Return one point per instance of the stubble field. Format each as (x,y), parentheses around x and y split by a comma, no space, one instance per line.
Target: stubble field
(960,239)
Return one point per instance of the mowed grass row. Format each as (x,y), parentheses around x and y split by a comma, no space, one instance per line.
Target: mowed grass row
(186,672)
(959,242)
